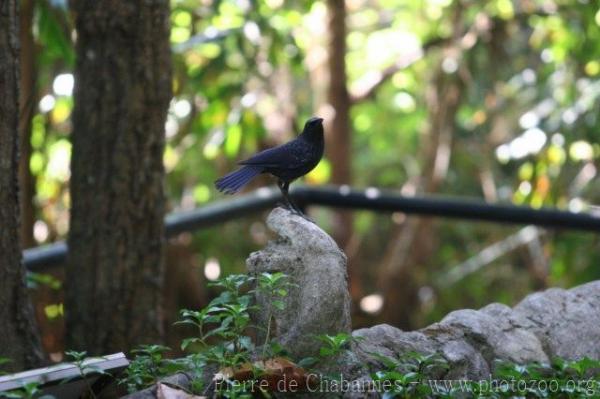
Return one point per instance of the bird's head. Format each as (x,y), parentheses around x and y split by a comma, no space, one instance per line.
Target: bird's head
(313,128)
(314,121)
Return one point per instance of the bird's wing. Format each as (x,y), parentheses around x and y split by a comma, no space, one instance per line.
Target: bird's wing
(280,157)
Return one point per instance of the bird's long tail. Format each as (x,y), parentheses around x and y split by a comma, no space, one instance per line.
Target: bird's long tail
(234,181)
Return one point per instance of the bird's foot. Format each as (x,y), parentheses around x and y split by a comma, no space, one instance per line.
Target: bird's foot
(296,211)
(308,219)
(285,205)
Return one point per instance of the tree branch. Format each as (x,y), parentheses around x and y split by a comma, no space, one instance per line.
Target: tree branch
(373,80)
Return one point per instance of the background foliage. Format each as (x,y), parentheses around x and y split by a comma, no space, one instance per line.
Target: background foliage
(524,75)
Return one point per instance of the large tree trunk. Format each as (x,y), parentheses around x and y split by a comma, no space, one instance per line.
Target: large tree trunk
(28,100)
(339,139)
(19,340)
(123,89)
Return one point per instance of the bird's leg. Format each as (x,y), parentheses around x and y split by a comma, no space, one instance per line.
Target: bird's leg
(284,187)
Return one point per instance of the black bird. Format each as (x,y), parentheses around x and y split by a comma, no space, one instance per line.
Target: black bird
(286,162)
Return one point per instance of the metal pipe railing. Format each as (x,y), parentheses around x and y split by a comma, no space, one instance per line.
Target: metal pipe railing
(376,200)
(43,257)
(40,258)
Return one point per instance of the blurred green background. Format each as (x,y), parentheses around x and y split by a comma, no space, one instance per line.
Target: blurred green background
(495,99)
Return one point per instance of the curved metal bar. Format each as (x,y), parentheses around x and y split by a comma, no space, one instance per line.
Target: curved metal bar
(373,199)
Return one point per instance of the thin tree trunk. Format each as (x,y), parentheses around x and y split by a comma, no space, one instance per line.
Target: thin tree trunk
(123,89)
(407,255)
(19,340)
(28,99)
(339,143)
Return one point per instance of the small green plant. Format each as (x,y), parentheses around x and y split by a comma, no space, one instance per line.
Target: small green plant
(36,280)
(85,370)
(30,390)
(194,365)
(222,333)
(561,378)
(223,336)
(334,345)
(234,287)
(407,377)
(148,365)
(225,319)
(411,377)
(3,362)
(275,286)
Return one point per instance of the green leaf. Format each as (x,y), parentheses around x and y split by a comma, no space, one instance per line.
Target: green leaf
(188,341)
(325,352)
(280,305)
(308,362)
(53,35)
(388,362)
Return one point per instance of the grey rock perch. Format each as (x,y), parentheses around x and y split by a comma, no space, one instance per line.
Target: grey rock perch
(319,303)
